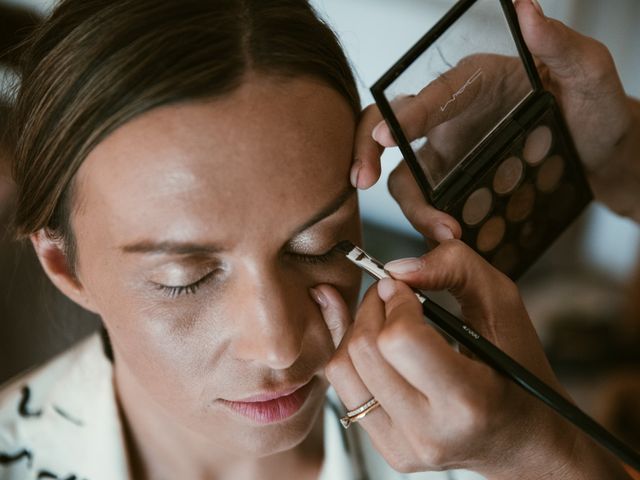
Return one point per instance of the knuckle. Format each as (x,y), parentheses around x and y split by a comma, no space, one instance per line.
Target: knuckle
(401,463)
(597,64)
(472,413)
(601,58)
(452,251)
(400,304)
(331,370)
(509,288)
(370,110)
(428,452)
(334,368)
(394,337)
(433,457)
(423,216)
(361,344)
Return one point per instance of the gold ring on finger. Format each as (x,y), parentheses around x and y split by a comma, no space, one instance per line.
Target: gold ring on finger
(359,413)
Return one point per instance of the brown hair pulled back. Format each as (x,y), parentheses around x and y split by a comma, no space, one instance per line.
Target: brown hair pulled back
(96,64)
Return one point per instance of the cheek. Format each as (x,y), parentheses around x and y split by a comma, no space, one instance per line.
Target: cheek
(163,343)
(165,348)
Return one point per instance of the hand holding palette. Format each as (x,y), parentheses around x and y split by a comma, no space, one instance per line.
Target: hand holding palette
(483,139)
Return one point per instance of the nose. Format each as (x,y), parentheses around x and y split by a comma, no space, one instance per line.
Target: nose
(270,320)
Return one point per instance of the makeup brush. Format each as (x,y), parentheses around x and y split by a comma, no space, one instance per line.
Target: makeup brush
(492,355)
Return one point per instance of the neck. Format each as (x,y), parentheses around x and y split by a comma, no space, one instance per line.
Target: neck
(159,448)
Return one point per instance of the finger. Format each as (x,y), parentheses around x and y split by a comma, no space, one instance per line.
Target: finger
(335,311)
(415,349)
(426,219)
(366,165)
(394,433)
(489,300)
(353,392)
(560,48)
(436,103)
(340,370)
(367,151)
(451,266)
(399,398)
(482,291)
(387,439)
(344,378)
(381,133)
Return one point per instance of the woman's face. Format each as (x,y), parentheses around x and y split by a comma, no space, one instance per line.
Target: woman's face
(200,229)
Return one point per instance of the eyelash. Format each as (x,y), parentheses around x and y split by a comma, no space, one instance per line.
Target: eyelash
(313,259)
(175,292)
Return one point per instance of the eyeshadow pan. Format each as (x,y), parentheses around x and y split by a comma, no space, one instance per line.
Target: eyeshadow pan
(491,234)
(477,206)
(508,176)
(521,203)
(550,174)
(537,145)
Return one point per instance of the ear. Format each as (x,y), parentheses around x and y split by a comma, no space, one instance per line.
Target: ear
(54,261)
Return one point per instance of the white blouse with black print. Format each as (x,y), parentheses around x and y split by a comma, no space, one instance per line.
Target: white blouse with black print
(60,421)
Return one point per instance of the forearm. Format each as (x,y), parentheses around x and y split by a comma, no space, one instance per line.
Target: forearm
(590,461)
(617,182)
(587,462)
(559,451)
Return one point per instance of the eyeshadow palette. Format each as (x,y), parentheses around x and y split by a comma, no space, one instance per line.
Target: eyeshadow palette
(485,142)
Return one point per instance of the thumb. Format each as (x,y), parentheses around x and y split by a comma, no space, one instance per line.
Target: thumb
(560,48)
(455,267)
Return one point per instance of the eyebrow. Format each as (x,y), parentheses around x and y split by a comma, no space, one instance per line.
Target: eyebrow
(188,248)
(327,211)
(172,248)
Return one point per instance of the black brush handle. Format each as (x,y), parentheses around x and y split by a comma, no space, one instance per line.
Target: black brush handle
(492,355)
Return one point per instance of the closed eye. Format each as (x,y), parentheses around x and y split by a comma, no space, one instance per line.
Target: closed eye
(320,258)
(312,259)
(179,290)
(175,291)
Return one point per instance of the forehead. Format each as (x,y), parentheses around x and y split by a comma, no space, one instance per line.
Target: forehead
(191,166)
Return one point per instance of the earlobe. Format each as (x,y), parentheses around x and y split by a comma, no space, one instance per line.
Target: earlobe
(54,261)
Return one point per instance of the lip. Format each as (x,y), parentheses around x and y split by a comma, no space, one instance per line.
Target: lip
(272,407)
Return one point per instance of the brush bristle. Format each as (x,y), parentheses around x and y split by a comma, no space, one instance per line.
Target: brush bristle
(345,247)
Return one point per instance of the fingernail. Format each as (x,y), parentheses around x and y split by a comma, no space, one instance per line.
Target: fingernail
(376,131)
(537,6)
(441,232)
(355,173)
(386,289)
(319,297)
(405,265)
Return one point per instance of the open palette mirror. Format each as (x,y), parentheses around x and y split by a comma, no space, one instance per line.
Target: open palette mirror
(485,142)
